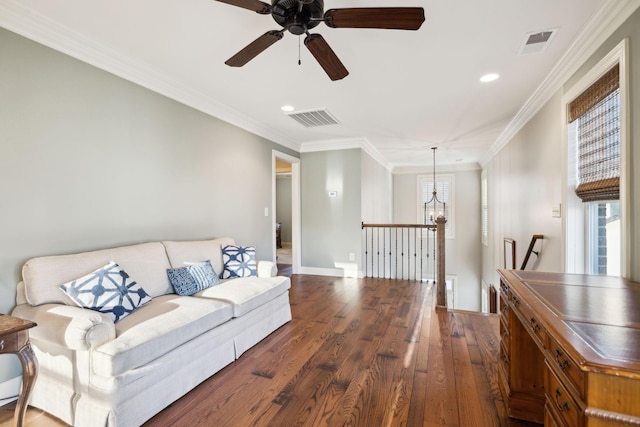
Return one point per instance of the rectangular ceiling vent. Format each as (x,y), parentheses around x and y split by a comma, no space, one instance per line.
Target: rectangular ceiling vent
(537,42)
(314,118)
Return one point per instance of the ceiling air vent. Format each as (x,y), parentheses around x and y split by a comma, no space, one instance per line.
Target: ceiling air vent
(537,42)
(314,118)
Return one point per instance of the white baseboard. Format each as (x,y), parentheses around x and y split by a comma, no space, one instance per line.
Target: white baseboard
(333,272)
(315,271)
(9,390)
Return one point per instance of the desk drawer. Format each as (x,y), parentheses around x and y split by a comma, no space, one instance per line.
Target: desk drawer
(550,418)
(560,401)
(562,361)
(505,361)
(505,337)
(530,321)
(505,296)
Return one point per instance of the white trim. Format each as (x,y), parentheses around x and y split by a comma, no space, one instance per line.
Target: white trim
(9,390)
(296,233)
(602,24)
(484,296)
(345,144)
(451,291)
(618,55)
(407,170)
(22,20)
(332,272)
(28,23)
(484,207)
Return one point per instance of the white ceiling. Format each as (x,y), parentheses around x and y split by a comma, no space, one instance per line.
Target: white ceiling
(407,90)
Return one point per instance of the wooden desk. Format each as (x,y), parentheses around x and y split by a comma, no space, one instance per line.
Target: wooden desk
(14,338)
(570,348)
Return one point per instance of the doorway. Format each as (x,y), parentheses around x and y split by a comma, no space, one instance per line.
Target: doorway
(286,210)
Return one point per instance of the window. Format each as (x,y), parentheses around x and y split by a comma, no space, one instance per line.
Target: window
(596,146)
(444,190)
(595,117)
(603,219)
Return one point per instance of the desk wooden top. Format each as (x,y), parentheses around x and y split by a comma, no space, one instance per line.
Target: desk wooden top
(10,324)
(598,316)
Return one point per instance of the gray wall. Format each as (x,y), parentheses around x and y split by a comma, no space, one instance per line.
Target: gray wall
(524,181)
(525,177)
(331,225)
(283,206)
(463,253)
(89,160)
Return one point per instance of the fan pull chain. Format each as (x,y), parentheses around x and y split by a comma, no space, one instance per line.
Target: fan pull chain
(299,60)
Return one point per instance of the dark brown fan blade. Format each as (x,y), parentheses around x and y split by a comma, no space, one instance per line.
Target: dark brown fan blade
(254,48)
(327,58)
(393,18)
(255,5)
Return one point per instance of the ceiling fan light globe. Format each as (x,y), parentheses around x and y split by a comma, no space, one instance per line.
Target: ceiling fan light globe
(296,24)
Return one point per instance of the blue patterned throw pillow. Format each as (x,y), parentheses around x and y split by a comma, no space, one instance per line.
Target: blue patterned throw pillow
(193,278)
(108,290)
(239,261)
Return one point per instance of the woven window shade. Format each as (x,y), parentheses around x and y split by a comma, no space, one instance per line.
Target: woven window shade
(597,111)
(598,91)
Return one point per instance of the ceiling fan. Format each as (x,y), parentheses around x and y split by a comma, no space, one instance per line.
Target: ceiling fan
(299,16)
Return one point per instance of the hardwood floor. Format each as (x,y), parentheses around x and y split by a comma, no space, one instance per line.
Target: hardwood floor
(370,352)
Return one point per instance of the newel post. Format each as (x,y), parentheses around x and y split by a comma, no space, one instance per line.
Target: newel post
(441,286)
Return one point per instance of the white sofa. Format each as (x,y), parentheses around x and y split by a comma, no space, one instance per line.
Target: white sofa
(94,372)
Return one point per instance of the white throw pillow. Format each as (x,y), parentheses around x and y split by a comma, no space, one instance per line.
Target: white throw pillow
(108,290)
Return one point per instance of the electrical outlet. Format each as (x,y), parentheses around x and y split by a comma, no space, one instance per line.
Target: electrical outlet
(352,256)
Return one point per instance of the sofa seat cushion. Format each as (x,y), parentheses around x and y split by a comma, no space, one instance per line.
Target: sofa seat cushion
(157,328)
(247,293)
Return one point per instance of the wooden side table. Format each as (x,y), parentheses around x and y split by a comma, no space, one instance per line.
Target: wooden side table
(14,338)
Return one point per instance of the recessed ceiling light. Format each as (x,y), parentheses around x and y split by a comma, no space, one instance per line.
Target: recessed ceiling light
(287,108)
(489,77)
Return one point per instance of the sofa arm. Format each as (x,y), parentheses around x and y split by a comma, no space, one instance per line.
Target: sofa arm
(67,326)
(267,269)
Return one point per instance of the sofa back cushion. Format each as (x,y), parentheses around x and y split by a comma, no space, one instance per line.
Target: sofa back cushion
(185,252)
(146,263)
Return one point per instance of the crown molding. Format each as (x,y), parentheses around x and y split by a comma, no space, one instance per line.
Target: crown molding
(345,144)
(600,27)
(26,22)
(417,170)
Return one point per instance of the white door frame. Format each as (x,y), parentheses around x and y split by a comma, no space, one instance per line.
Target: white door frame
(295,207)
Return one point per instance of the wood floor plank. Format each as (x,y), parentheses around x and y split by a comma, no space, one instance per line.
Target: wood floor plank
(485,364)
(470,411)
(442,405)
(358,352)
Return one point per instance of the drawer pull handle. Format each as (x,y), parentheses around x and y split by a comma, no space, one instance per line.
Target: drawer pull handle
(535,326)
(564,406)
(562,364)
(516,301)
